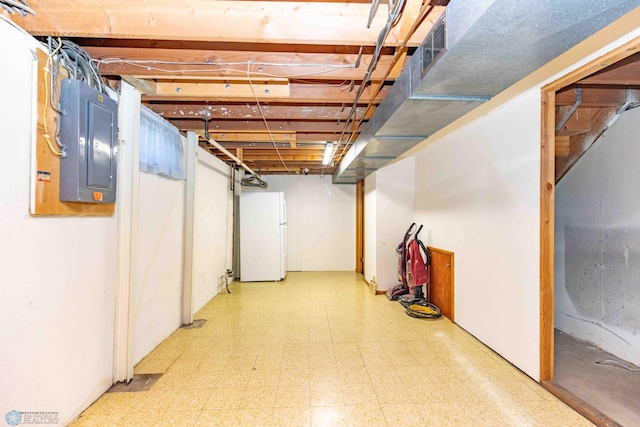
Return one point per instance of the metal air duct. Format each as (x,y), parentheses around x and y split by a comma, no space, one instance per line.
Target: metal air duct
(483,47)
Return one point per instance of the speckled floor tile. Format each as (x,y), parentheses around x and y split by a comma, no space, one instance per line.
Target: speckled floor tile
(403,415)
(366,416)
(318,349)
(326,416)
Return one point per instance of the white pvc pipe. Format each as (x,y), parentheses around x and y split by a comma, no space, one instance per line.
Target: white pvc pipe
(234,158)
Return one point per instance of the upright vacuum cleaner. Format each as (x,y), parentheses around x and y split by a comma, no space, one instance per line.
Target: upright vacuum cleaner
(413,276)
(402,288)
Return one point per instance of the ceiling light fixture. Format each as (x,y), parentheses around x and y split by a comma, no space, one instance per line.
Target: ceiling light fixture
(328,151)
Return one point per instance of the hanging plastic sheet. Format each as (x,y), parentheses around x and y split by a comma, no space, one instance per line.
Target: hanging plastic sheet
(161,150)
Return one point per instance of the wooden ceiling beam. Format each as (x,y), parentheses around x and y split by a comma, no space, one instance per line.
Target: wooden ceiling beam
(594,96)
(267,146)
(625,72)
(175,63)
(224,20)
(148,87)
(284,151)
(298,93)
(231,126)
(302,137)
(292,164)
(250,111)
(563,144)
(579,144)
(274,158)
(579,122)
(227,89)
(286,138)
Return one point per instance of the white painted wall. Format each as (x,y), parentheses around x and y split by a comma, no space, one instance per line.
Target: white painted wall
(597,238)
(477,192)
(370,228)
(395,200)
(321,222)
(477,195)
(158,289)
(57,281)
(213,239)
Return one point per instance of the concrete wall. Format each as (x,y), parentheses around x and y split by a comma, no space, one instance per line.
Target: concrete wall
(213,237)
(57,281)
(158,289)
(597,238)
(321,222)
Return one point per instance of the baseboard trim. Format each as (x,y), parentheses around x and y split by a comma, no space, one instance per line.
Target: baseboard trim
(372,285)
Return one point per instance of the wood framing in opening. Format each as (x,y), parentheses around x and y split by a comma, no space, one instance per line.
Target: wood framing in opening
(360,227)
(547,194)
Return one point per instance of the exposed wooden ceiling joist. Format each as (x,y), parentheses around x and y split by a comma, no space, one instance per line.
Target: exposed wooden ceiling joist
(298,93)
(287,138)
(229,126)
(223,20)
(250,111)
(305,60)
(594,96)
(586,109)
(625,72)
(173,63)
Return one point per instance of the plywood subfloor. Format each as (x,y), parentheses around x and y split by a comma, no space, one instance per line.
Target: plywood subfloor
(611,390)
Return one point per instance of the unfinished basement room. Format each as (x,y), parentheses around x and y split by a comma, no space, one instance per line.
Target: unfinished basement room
(320,213)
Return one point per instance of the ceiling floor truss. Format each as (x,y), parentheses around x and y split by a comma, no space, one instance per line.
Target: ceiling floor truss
(276,80)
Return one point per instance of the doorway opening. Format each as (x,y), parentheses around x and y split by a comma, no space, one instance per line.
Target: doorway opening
(590,294)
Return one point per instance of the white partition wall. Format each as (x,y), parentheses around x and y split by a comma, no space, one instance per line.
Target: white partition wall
(478,192)
(57,285)
(157,300)
(477,195)
(213,240)
(395,195)
(321,224)
(321,221)
(370,227)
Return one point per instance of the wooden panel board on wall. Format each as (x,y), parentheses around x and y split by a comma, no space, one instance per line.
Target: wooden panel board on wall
(46,172)
(441,281)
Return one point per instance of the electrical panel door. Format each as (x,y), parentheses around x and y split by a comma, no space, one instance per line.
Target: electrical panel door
(88,133)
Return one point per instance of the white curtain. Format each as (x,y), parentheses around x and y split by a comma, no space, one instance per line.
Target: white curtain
(161,150)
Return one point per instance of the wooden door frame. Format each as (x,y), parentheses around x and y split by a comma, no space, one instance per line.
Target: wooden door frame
(547,195)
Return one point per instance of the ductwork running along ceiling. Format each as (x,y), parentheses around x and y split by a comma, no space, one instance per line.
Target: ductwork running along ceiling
(479,49)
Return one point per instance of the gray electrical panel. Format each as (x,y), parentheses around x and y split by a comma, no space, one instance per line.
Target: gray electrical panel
(88,133)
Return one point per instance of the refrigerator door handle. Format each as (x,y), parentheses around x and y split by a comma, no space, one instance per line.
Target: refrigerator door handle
(285,239)
(283,214)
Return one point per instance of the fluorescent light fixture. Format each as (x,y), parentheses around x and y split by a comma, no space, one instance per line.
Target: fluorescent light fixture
(328,151)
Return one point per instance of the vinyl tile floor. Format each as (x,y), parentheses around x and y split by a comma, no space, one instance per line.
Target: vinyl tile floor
(319,349)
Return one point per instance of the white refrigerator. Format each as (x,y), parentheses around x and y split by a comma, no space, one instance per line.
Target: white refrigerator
(263,236)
